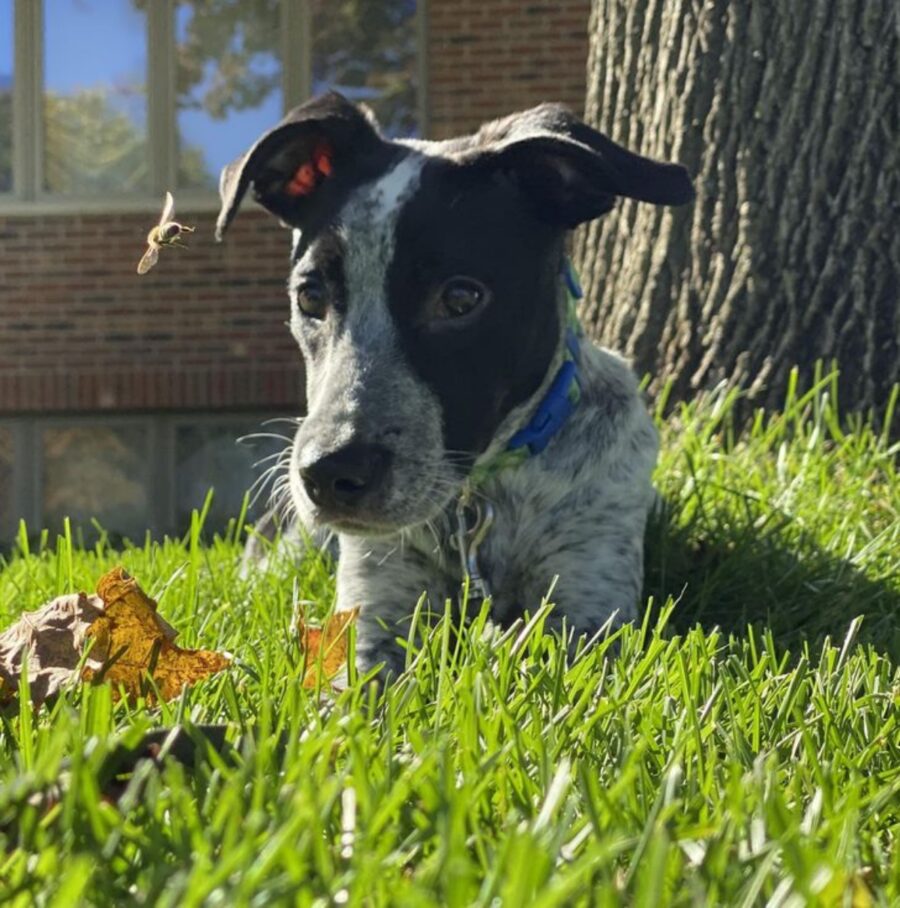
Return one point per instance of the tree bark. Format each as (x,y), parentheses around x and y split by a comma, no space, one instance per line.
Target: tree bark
(786,115)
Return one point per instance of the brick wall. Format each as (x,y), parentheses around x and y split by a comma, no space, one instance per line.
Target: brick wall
(80,331)
(487,58)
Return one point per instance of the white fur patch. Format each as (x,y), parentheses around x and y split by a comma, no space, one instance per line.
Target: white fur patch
(395,186)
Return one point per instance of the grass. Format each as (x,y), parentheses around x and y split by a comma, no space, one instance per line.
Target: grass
(740,747)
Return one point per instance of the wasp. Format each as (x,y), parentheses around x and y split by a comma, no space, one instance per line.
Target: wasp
(166,233)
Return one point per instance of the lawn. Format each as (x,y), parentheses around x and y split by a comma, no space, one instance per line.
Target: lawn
(740,747)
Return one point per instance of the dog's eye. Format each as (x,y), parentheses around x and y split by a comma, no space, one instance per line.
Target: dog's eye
(311,297)
(460,296)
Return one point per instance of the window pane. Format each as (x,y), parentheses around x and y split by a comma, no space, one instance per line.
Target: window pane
(367,51)
(7,518)
(96,472)
(95,97)
(208,456)
(6,87)
(228,82)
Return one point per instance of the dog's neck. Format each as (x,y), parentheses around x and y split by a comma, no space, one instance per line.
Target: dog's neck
(528,428)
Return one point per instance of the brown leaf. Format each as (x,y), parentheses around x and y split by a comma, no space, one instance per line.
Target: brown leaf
(326,647)
(132,639)
(129,638)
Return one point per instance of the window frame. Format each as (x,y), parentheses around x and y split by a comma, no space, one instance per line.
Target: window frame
(28,195)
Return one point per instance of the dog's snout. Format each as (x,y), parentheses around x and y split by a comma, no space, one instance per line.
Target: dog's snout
(345,477)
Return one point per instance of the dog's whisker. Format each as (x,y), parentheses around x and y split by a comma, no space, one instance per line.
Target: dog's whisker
(268,457)
(291,420)
(280,464)
(255,435)
(273,473)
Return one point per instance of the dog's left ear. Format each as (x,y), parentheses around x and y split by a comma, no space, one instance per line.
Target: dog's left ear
(570,171)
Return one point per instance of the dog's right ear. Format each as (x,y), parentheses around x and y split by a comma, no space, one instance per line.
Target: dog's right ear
(321,147)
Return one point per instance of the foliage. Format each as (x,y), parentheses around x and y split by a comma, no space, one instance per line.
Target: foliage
(793,524)
(368,51)
(218,60)
(677,764)
(91,148)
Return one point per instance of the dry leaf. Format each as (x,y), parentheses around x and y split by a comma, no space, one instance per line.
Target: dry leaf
(52,639)
(131,639)
(326,647)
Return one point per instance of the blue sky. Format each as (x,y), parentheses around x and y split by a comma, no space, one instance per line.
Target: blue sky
(6,43)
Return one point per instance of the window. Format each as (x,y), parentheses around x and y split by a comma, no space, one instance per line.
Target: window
(6,95)
(96,471)
(127,98)
(7,504)
(210,456)
(132,474)
(228,82)
(367,51)
(95,98)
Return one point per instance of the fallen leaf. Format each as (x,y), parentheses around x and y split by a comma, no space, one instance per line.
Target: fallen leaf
(52,640)
(132,640)
(129,639)
(325,647)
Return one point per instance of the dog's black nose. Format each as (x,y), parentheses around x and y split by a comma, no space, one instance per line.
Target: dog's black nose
(344,477)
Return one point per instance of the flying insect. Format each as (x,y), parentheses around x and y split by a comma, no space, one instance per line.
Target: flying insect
(168,232)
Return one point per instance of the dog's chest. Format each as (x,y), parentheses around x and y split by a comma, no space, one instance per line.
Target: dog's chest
(531,526)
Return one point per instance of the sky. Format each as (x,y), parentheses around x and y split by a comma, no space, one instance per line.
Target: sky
(6,43)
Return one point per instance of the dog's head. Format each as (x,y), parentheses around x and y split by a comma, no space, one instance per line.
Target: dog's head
(425,288)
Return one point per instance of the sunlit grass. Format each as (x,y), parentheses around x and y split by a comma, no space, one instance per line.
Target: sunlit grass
(740,747)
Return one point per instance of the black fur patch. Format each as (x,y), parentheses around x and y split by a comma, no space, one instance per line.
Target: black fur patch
(467,221)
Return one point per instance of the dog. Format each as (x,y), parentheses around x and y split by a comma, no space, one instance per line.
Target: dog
(459,430)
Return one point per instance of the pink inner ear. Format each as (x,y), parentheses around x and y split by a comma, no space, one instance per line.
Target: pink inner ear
(310,173)
(303,181)
(322,157)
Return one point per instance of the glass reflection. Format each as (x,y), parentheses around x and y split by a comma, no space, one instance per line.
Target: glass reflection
(228,82)
(94,471)
(95,97)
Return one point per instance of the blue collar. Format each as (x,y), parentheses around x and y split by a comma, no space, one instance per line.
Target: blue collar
(562,396)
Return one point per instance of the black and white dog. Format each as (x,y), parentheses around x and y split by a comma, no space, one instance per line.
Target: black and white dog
(457,424)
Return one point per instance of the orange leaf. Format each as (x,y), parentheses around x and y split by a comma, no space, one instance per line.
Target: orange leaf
(131,639)
(326,646)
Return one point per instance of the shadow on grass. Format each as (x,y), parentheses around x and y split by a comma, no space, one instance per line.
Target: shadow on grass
(737,575)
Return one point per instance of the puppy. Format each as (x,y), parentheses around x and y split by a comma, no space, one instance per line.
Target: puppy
(458,423)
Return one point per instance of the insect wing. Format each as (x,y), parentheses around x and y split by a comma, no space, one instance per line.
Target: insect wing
(168,209)
(148,260)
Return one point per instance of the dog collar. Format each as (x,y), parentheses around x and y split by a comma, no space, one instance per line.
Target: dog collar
(554,410)
(564,392)
(557,405)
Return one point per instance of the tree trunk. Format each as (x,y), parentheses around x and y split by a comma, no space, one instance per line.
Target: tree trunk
(786,116)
